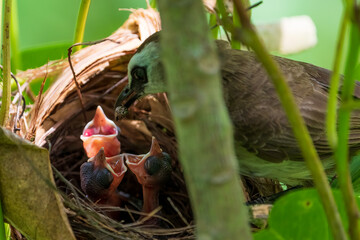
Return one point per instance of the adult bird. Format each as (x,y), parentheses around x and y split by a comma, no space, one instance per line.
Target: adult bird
(264,141)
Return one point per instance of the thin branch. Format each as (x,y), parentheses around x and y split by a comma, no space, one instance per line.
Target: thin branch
(249,36)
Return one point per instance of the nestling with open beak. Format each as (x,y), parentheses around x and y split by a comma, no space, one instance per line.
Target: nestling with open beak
(100,177)
(264,141)
(101,132)
(152,170)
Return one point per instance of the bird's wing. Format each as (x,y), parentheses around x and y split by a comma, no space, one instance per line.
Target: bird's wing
(260,123)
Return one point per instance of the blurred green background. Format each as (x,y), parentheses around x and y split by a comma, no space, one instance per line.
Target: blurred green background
(326,16)
(46,28)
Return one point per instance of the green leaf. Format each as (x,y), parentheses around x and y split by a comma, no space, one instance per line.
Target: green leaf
(29,199)
(267,234)
(298,211)
(299,215)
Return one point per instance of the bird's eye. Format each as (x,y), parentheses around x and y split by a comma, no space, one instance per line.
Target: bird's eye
(139,74)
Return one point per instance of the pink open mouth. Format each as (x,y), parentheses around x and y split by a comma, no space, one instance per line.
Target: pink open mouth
(100,132)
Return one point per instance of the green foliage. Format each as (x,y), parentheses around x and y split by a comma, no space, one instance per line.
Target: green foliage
(267,234)
(299,215)
(52,23)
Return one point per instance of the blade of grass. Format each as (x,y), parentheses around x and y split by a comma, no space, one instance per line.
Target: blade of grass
(249,36)
(6,98)
(342,150)
(81,22)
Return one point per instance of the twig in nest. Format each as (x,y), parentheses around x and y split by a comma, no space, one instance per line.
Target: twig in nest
(78,88)
(178,211)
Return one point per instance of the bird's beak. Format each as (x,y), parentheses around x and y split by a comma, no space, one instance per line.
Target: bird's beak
(115,165)
(100,132)
(124,101)
(136,162)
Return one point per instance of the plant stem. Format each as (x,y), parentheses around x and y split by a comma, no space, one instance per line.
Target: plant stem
(300,131)
(235,44)
(1,19)
(342,150)
(193,77)
(153,4)
(331,116)
(2,224)
(213,26)
(81,22)
(6,97)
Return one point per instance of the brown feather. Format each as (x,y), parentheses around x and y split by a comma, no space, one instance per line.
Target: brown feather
(259,120)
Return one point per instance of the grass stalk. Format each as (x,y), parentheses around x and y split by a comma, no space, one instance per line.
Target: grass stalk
(331,116)
(342,150)
(6,97)
(301,133)
(81,22)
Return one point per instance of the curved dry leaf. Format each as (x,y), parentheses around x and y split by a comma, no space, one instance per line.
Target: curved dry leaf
(29,202)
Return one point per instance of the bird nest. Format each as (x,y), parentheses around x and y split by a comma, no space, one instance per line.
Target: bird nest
(59,115)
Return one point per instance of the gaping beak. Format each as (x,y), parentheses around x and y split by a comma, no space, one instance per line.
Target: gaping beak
(124,101)
(101,132)
(100,175)
(136,163)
